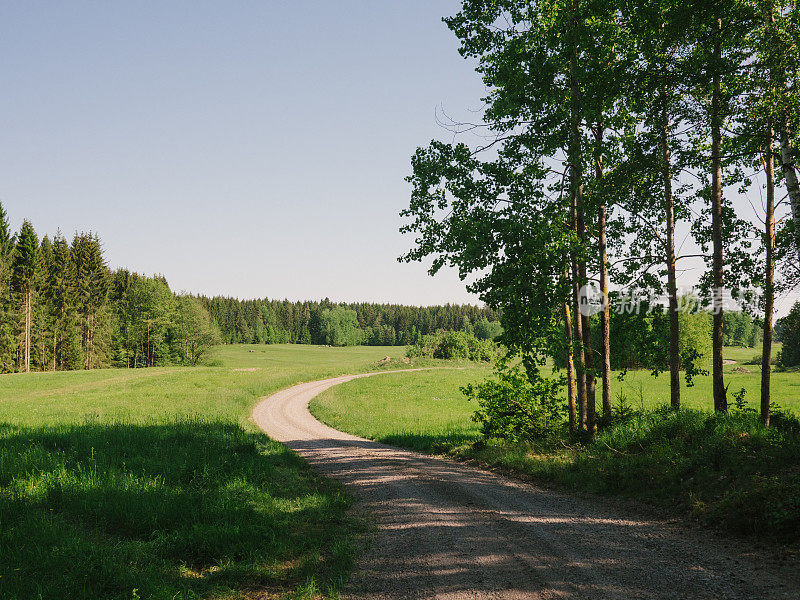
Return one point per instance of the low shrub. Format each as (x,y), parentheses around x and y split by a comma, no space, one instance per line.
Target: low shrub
(516,406)
(453,345)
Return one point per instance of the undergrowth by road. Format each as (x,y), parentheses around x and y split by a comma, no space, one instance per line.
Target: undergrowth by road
(726,471)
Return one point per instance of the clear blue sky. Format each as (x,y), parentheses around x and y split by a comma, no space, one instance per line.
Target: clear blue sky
(242,148)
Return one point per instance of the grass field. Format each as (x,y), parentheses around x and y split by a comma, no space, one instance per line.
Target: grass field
(726,470)
(642,390)
(152,483)
(426,410)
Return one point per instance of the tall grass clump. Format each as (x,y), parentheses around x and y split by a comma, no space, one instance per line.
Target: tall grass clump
(727,469)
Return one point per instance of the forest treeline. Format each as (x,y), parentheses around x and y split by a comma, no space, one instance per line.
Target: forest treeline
(62,308)
(343,324)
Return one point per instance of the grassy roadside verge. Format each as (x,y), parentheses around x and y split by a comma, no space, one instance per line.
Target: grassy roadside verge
(153,483)
(725,471)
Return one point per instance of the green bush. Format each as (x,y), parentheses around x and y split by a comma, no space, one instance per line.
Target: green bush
(487,330)
(516,406)
(453,345)
(789,355)
(340,327)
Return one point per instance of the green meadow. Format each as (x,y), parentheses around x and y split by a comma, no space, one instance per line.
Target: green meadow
(426,410)
(152,483)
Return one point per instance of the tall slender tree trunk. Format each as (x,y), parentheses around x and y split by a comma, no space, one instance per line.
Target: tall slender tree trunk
(576,185)
(28,310)
(577,346)
(588,357)
(570,368)
(769,278)
(720,394)
(672,278)
(769,243)
(582,279)
(790,175)
(605,314)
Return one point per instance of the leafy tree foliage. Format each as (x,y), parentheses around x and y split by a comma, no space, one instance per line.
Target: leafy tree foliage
(488,330)
(454,345)
(609,125)
(740,329)
(339,327)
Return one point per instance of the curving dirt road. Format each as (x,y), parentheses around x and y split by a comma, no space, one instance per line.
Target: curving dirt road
(446,530)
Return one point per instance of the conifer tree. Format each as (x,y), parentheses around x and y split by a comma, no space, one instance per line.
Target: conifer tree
(23,271)
(8,347)
(92,286)
(66,346)
(43,323)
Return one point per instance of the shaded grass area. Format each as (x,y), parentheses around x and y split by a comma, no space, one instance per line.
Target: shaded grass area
(724,470)
(180,510)
(153,484)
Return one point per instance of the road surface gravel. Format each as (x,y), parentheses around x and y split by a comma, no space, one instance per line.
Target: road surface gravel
(452,531)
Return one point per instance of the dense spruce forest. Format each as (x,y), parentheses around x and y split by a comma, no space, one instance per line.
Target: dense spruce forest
(282,321)
(63,308)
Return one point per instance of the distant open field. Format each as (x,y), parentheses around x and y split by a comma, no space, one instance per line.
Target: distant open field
(152,483)
(426,410)
(164,394)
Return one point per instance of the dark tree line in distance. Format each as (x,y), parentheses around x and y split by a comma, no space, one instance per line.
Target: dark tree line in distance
(343,324)
(62,308)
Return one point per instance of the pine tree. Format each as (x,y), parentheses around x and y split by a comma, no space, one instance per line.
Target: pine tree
(66,346)
(91,286)
(43,322)
(8,349)
(22,278)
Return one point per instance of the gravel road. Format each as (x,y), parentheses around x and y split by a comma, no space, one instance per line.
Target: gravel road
(451,531)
